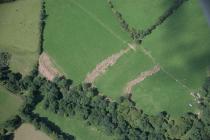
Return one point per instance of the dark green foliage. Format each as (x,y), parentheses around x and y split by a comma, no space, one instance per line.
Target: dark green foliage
(119,117)
(138,35)
(3,1)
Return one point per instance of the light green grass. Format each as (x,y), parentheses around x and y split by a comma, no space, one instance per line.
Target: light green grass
(181,45)
(161,93)
(9,104)
(129,66)
(74,126)
(79,34)
(19,33)
(141,14)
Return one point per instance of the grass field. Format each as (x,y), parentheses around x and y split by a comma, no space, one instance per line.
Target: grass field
(73,126)
(86,34)
(141,14)
(182,48)
(9,104)
(19,33)
(28,131)
(113,82)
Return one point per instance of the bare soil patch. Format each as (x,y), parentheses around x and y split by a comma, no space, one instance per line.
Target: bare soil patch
(102,67)
(28,132)
(140,78)
(46,67)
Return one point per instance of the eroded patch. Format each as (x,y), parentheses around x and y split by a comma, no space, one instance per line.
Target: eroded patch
(46,67)
(140,78)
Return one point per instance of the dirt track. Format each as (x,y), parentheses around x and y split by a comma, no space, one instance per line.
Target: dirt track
(46,67)
(140,78)
(104,65)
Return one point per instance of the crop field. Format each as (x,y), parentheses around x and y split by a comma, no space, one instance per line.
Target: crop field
(9,104)
(86,34)
(141,14)
(74,126)
(28,131)
(19,33)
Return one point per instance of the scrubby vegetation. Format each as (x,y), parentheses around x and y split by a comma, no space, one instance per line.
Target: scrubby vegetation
(119,118)
(3,1)
(138,34)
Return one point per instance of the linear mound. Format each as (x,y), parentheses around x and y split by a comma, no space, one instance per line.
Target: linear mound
(9,104)
(20,33)
(140,78)
(74,126)
(127,68)
(141,14)
(84,36)
(28,132)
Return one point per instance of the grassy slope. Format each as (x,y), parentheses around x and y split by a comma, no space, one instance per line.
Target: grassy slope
(9,104)
(86,34)
(74,126)
(19,32)
(181,45)
(127,68)
(141,13)
(161,93)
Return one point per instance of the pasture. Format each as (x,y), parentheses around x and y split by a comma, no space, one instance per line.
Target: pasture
(74,126)
(20,33)
(28,131)
(9,104)
(86,34)
(141,14)
(182,48)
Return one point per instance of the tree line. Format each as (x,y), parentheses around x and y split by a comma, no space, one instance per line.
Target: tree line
(138,35)
(4,1)
(29,88)
(120,118)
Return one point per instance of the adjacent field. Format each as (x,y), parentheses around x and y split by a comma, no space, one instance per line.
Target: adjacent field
(83,36)
(141,14)
(19,33)
(74,126)
(182,48)
(28,132)
(9,104)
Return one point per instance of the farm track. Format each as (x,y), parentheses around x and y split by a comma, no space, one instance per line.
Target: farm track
(46,67)
(140,78)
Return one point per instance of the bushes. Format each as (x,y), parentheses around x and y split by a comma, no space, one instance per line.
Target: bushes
(138,35)
(4,1)
(119,118)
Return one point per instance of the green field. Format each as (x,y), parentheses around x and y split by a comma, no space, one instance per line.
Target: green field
(19,33)
(83,36)
(182,48)
(9,104)
(73,126)
(182,51)
(113,82)
(141,14)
